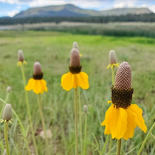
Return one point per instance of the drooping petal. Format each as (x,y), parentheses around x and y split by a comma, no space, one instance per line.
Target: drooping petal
(131,124)
(116,122)
(37,88)
(82,78)
(67,81)
(30,85)
(138,117)
(43,83)
(108,66)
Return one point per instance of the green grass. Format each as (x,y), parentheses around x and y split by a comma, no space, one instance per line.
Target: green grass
(52,50)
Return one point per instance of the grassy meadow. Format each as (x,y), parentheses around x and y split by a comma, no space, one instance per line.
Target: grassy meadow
(52,50)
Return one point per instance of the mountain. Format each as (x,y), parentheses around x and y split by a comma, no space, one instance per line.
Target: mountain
(69,10)
(125,11)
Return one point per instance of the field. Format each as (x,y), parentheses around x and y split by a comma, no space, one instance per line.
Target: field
(52,50)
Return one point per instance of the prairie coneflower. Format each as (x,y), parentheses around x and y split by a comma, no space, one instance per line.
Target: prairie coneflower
(75,45)
(112,60)
(6,118)
(74,78)
(37,83)
(21,59)
(122,117)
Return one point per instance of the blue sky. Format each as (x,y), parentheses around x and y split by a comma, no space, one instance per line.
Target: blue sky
(11,7)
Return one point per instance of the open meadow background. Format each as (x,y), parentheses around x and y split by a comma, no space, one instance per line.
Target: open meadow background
(52,50)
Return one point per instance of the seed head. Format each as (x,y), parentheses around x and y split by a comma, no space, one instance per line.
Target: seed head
(112,57)
(20,55)
(37,68)
(85,109)
(123,76)
(8,89)
(7,112)
(74,58)
(75,45)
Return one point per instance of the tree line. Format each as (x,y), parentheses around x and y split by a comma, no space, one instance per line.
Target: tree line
(89,19)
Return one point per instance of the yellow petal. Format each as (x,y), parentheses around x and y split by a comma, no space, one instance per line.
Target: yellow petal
(138,117)
(43,83)
(108,66)
(37,88)
(29,85)
(131,124)
(80,55)
(25,62)
(109,102)
(82,78)
(67,81)
(116,122)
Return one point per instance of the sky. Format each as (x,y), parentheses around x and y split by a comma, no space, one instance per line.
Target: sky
(12,7)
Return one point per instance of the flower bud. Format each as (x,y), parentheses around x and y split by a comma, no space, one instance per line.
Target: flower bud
(8,89)
(123,76)
(112,57)
(7,112)
(74,58)
(20,55)
(85,109)
(75,45)
(37,68)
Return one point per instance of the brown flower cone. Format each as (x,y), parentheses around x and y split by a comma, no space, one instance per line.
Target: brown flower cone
(37,68)
(74,58)
(123,76)
(112,57)
(20,55)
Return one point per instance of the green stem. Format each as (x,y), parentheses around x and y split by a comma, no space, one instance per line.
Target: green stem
(107,139)
(110,145)
(22,128)
(118,146)
(113,76)
(28,109)
(85,134)
(80,118)
(43,124)
(6,137)
(76,122)
(150,131)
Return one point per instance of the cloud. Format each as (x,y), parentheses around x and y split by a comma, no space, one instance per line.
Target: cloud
(12,13)
(152,8)
(123,3)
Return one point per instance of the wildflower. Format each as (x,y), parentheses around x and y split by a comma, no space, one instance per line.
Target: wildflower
(21,58)
(74,78)
(75,45)
(8,89)
(37,83)
(112,60)
(122,117)
(7,113)
(85,109)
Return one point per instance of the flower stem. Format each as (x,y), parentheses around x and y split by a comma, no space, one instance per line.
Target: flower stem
(43,124)
(110,145)
(28,109)
(80,118)
(76,121)
(6,137)
(22,128)
(113,76)
(142,146)
(85,134)
(118,146)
